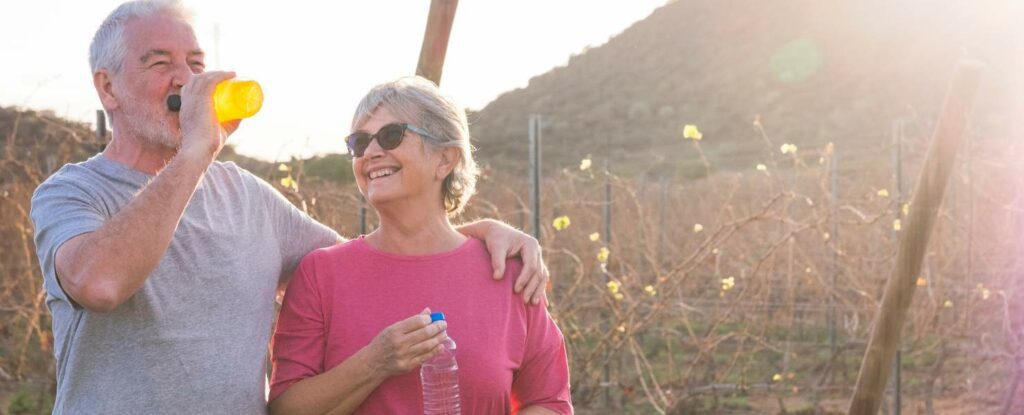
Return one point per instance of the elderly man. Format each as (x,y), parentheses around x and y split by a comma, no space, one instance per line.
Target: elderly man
(160,263)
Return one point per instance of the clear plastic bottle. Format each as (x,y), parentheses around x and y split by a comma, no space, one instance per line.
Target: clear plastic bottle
(440,379)
(236,99)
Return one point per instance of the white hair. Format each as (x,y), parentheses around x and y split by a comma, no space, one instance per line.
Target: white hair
(418,101)
(108,48)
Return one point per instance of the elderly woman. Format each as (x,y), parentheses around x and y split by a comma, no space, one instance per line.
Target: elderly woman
(354,330)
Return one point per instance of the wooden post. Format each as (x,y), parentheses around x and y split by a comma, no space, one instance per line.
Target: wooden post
(899,290)
(435,39)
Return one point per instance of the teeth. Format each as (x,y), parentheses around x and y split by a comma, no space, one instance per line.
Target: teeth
(381,173)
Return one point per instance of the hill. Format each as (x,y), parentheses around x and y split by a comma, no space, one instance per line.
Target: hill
(811,72)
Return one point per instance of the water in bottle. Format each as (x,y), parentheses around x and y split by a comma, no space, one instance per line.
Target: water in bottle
(440,379)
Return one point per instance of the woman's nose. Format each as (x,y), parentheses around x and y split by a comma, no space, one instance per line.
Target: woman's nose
(373,150)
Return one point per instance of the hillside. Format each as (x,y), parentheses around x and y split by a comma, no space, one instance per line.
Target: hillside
(815,72)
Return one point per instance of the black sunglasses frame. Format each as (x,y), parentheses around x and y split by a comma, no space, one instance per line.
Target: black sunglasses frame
(388,137)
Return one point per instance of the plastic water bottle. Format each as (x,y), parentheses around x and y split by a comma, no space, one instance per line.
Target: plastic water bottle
(232,100)
(440,379)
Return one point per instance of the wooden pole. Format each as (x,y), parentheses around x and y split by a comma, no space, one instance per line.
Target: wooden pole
(899,291)
(435,39)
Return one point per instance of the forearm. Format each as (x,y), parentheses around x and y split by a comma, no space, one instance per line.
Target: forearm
(110,264)
(339,390)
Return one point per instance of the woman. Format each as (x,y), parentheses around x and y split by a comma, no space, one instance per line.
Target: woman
(354,328)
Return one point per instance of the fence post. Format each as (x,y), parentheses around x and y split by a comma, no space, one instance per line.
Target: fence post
(535,142)
(101,125)
(834,242)
(897,184)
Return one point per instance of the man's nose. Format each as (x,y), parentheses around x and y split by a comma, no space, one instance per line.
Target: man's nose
(182,74)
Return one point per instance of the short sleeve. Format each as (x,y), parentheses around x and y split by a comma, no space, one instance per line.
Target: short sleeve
(543,377)
(297,233)
(297,349)
(61,210)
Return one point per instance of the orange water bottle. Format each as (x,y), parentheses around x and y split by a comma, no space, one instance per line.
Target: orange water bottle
(237,99)
(232,100)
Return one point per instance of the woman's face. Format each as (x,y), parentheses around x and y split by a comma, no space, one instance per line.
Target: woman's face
(408,172)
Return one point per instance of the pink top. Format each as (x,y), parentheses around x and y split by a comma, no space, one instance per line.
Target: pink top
(510,355)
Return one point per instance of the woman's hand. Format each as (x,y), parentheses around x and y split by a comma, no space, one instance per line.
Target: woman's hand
(405,345)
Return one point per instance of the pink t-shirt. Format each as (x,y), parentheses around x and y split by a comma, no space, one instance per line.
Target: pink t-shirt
(510,355)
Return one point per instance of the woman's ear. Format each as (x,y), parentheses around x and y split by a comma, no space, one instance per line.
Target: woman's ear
(450,157)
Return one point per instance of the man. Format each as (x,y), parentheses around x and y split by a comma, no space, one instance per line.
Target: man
(161,264)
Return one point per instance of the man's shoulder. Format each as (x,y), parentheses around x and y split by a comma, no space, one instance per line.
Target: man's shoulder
(70,177)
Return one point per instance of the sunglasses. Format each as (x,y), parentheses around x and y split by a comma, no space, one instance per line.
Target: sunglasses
(389,137)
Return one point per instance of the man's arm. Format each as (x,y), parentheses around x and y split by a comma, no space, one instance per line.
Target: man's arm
(102,269)
(504,241)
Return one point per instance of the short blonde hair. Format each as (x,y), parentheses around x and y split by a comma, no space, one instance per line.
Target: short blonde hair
(418,101)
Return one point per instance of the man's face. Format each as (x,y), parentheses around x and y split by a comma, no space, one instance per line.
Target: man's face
(162,55)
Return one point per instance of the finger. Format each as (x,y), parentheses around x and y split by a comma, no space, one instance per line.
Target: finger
(427,346)
(419,360)
(411,324)
(498,255)
(542,289)
(421,335)
(532,287)
(525,276)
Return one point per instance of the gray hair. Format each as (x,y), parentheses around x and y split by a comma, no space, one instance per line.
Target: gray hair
(418,101)
(108,48)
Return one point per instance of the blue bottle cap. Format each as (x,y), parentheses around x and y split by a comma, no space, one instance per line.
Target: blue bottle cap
(436,316)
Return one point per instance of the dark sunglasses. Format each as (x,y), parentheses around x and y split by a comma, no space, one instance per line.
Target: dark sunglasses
(389,137)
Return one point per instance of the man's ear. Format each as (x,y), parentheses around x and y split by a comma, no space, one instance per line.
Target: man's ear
(105,89)
(450,157)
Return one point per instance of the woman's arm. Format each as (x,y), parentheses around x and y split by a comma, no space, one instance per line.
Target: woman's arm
(401,347)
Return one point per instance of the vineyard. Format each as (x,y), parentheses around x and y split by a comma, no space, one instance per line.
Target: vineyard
(746,291)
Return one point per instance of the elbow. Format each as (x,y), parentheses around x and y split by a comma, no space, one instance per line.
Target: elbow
(95,295)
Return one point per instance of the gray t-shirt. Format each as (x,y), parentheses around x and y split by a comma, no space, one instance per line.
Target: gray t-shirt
(194,338)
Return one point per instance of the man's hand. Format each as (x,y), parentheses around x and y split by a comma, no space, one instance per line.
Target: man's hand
(504,241)
(201,135)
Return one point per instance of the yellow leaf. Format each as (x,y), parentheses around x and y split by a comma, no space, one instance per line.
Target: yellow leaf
(585,164)
(595,236)
(561,222)
(697,228)
(690,131)
(602,255)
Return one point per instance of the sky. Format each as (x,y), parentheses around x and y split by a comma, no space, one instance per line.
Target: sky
(314,59)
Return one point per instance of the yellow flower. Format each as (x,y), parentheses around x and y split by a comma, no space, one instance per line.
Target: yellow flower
(619,297)
(897,225)
(883,193)
(283,167)
(905,209)
(690,131)
(777,377)
(585,164)
(948,304)
(650,290)
(788,148)
(613,286)
(728,283)
(595,236)
(985,293)
(289,183)
(561,223)
(602,255)
(761,167)
(921,282)
(621,328)
(697,228)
